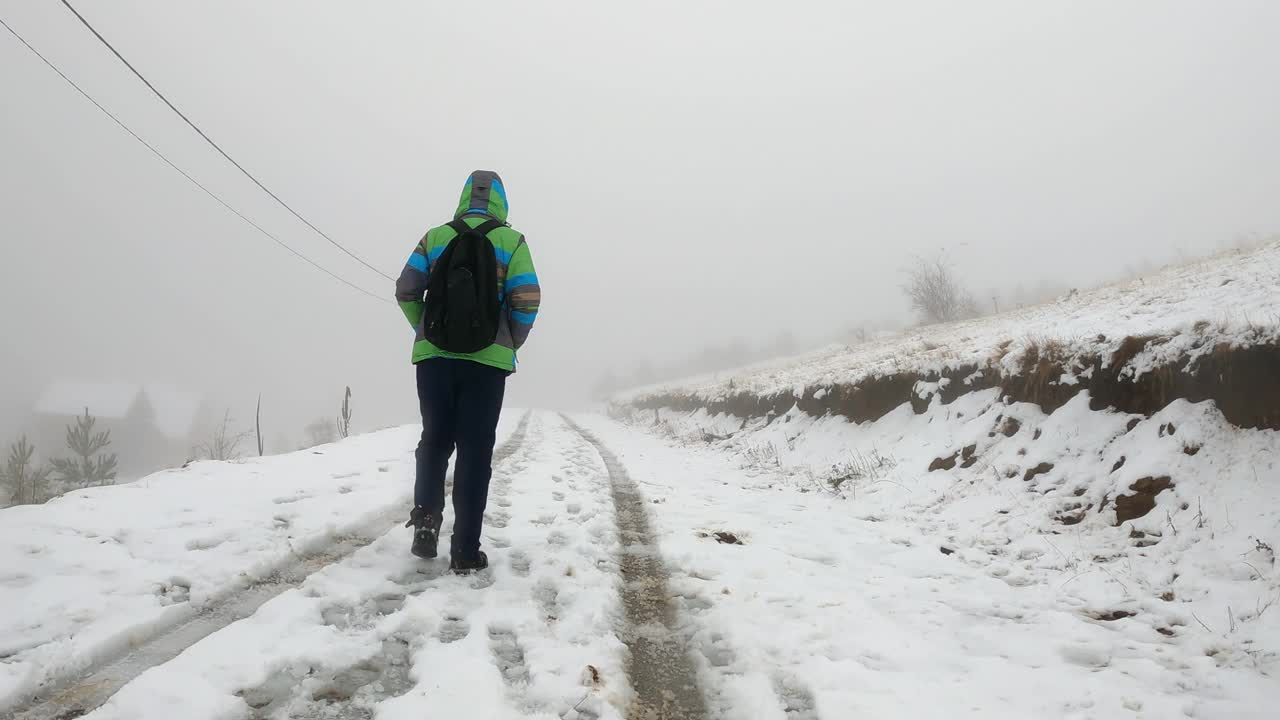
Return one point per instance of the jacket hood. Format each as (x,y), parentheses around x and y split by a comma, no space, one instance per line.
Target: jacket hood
(484,194)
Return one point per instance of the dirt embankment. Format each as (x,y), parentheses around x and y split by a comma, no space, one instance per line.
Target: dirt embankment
(1244,383)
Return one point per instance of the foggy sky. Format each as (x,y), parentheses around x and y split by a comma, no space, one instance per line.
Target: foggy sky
(685,172)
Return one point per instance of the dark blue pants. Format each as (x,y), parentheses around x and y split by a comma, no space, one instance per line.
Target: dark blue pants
(460,402)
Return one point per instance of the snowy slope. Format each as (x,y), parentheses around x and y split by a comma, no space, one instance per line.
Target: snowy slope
(1127,558)
(1233,298)
(848,607)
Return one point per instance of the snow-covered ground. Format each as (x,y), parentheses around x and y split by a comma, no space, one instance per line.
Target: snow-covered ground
(516,641)
(904,593)
(972,592)
(940,554)
(1233,298)
(92,571)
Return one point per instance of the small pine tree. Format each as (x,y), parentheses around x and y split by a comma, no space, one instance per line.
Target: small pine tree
(84,469)
(26,484)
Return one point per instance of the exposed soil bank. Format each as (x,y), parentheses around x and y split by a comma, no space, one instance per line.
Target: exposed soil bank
(1244,383)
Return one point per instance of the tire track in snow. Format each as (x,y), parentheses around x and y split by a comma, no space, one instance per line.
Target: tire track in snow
(78,694)
(661,669)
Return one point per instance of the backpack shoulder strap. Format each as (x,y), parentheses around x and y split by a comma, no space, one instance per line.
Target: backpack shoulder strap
(488,226)
(460,227)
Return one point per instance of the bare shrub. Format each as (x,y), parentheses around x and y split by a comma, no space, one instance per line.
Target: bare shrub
(224,444)
(935,292)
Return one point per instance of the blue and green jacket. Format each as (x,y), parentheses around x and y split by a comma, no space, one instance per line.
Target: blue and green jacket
(483,198)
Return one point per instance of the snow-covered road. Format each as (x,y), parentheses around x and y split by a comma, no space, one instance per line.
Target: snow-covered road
(633,578)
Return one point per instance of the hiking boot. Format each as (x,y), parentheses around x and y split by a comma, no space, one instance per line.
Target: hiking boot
(426,532)
(467,565)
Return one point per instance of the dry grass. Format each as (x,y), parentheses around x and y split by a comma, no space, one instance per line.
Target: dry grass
(763,456)
(1043,361)
(845,473)
(1000,352)
(1129,348)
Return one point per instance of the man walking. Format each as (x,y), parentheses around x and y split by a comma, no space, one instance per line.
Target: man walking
(471,293)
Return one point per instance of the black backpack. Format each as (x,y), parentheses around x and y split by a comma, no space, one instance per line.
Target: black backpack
(462,309)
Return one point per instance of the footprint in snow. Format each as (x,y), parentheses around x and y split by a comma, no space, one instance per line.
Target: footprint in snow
(290,499)
(1086,654)
(387,603)
(696,603)
(875,662)
(207,543)
(547,595)
(277,687)
(718,651)
(344,686)
(383,676)
(16,580)
(363,615)
(453,629)
(1019,580)
(508,654)
(173,592)
(520,563)
(797,699)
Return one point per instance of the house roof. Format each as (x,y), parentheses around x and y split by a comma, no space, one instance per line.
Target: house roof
(111,400)
(175,410)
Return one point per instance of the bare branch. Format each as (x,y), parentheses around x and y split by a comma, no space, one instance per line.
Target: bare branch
(224,444)
(935,292)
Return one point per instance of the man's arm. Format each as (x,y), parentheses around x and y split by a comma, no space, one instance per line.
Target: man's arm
(412,285)
(523,293)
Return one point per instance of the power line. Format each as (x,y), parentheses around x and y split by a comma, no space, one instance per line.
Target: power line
(215,145)
(184,173)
